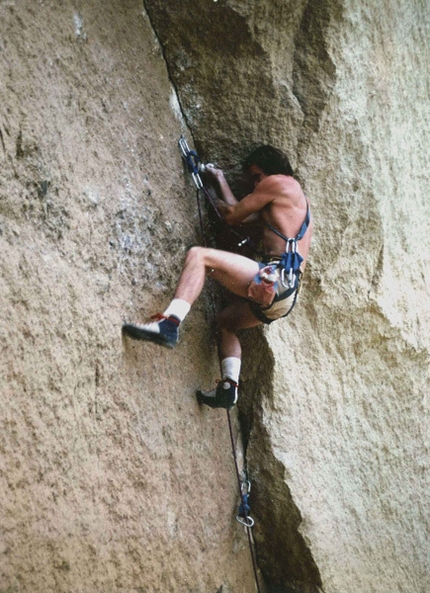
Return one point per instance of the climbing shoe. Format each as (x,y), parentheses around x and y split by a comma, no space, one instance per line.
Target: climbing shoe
(224,396)
(164,331)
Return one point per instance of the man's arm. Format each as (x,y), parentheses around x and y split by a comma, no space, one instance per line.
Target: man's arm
(223,186)
(233,211)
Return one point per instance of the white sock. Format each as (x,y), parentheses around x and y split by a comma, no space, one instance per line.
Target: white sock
(230,367)
(179,308)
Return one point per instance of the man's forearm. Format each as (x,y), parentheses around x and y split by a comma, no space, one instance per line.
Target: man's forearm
(229,213)
(223,208)
(226,202)
(232,211)
(225,192)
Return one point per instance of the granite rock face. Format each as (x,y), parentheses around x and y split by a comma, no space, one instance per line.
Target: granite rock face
(336,408)
(111,476)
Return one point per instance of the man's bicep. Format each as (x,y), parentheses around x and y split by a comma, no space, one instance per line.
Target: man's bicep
(249,205)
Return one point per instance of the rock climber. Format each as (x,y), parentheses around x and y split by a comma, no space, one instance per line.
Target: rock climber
(267,290)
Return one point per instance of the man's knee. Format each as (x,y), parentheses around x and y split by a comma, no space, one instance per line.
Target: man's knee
(195,253)
(203,255)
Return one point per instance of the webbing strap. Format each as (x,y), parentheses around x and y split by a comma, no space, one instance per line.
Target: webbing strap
(302,230)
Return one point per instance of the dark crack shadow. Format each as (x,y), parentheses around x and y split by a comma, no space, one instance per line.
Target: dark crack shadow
(283,555)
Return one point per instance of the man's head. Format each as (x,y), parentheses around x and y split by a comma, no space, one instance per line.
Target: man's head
(270,160)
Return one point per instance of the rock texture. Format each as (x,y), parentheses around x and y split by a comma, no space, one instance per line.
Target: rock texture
(111,477)
(336,409)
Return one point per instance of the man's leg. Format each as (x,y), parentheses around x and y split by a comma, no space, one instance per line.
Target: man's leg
(232,319)
(233,271)
(235,317)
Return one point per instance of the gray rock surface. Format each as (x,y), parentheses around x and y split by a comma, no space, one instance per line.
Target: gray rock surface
(337,408)
(111,477)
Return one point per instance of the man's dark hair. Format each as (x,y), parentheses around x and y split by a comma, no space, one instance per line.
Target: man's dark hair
(271,161)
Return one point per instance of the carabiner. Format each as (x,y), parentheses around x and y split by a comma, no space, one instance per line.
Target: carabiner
(246,521)
(242,515)
(183,145)
(291,246)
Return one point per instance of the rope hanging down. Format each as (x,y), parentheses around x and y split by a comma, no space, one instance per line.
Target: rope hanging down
(195,166)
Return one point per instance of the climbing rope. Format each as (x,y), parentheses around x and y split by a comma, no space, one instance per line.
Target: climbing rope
(247,521)
(195,166)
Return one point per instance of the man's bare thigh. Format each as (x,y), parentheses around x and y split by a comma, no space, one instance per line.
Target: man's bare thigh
(233,271)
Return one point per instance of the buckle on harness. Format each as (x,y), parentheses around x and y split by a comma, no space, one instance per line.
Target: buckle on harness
(291,248)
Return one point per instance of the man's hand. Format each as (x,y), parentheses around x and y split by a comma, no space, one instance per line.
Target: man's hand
(213,172)
(226,198)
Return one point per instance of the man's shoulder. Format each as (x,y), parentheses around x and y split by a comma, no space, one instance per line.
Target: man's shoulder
(280,183)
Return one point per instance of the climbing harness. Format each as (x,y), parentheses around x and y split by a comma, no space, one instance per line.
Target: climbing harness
(291,260)
(195,166)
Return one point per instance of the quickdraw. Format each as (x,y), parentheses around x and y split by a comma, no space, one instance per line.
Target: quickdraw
(243,515)
(193,161)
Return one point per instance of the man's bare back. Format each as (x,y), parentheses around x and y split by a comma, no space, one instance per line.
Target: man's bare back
(285,211)
(277,200)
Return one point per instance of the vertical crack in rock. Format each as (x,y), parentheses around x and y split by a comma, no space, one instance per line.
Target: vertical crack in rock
(226,92)
(2,141)
(219,83)
(284,556)
(167,63)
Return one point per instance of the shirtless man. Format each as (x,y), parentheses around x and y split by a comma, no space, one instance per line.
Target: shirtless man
(279,202)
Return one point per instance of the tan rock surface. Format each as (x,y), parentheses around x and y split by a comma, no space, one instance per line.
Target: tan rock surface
(336,408)
(111,478)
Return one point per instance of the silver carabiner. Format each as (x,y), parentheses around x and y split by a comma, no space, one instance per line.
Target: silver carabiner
(285,284)
(291,246)
(247,484)
(246,521)
(183,145)
(197,180)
